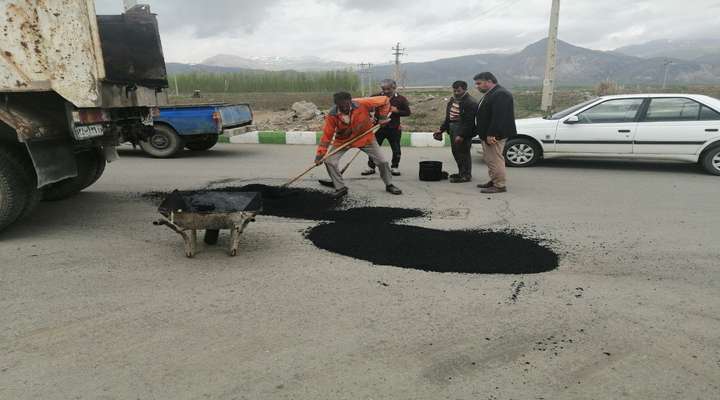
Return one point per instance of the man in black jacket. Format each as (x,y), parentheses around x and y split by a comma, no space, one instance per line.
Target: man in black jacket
(460,125)
(495,124)
(399,107)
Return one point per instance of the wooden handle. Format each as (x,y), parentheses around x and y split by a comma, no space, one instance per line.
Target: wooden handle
(350,162)
(332,153)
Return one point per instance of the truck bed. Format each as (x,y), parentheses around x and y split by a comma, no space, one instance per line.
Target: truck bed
(198,119)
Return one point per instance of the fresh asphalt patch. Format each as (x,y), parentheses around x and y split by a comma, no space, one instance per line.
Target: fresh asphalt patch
(374,234)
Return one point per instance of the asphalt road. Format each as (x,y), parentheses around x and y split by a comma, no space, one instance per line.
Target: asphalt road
(97,303)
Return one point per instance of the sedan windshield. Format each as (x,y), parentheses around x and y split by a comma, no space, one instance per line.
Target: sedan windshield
(568,111)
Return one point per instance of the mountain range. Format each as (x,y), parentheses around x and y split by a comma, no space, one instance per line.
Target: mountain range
(275,63)
(687,62)
(683,49)
(575,66)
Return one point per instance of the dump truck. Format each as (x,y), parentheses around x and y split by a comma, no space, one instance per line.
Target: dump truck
(73,86)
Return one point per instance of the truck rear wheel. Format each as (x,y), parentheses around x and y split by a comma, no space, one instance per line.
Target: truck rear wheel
(203,144)
(33,195)
(13,189)
(100,164)
(164,142)
(87,170)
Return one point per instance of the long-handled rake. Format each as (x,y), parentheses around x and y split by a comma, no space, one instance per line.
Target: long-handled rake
(374,129)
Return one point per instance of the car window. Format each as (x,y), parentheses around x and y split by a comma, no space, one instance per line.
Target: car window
(568,111)
(707,114)
(611,111)
(672,109)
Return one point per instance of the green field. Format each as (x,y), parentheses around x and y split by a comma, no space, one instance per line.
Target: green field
(428,104)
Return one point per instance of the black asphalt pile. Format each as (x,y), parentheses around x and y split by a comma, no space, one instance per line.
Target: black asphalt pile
(372,234)
(300,203)
(373,214)
(472,252)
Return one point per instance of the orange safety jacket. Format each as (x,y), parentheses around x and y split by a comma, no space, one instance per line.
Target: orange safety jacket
(337,132)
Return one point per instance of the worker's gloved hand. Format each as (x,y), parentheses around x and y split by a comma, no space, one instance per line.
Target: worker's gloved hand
(318,159)
(383,120)
(438,136)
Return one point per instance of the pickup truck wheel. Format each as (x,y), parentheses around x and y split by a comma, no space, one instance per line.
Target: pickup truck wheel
(521,152)
(711,160)
(13,189)
(205,144)
(87,170)
(164,142)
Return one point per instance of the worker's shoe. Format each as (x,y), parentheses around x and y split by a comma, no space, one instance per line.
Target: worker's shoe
(395,172)
(457,178)
(340,193)
(369,171)
(486,185)
(393,189)
(494,189)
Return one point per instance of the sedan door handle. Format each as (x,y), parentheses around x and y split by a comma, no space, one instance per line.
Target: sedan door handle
(711,130)
(624,130)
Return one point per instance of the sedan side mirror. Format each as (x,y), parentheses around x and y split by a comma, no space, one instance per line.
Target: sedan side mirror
(572,120)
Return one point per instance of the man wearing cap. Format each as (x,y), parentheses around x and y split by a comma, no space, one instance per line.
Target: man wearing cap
(348,119)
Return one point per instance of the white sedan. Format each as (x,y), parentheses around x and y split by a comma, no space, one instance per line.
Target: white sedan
(681,127)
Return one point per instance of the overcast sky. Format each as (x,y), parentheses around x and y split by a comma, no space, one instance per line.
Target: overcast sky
(365,30)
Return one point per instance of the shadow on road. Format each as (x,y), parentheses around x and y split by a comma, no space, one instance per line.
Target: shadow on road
(84,210)
(129,152)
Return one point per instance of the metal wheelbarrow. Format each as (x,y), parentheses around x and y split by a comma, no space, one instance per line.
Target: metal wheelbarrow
(188,212)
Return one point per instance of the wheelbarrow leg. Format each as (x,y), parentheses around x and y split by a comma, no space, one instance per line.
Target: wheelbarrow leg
(235,236)
(234,240)
(190,243)
(190,240)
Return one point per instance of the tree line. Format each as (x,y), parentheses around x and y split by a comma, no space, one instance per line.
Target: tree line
(264,81)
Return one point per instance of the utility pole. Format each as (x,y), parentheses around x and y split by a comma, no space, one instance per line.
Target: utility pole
(128,4)
(364,72)
(551,59)
(667,66)
(397,52)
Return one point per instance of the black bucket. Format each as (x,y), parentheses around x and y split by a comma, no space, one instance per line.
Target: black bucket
(432,171)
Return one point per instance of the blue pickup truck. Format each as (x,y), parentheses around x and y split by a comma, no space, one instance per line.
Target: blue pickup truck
(196,127)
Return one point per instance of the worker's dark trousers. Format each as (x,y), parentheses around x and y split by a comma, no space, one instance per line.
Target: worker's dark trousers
(461,152)
(393,136)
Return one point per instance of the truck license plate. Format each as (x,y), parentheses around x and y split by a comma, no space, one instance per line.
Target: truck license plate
(88,131)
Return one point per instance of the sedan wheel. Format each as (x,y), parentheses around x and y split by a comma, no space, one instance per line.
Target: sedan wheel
(521,153)
(711,161)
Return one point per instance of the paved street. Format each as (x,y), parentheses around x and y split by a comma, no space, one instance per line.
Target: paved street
(97,303)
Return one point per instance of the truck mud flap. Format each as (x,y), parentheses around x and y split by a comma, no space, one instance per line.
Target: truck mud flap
(54,160)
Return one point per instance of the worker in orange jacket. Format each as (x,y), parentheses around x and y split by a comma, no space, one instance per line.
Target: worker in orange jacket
(348,119)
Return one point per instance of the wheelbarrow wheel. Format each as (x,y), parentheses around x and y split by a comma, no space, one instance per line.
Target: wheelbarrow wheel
(211,236)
